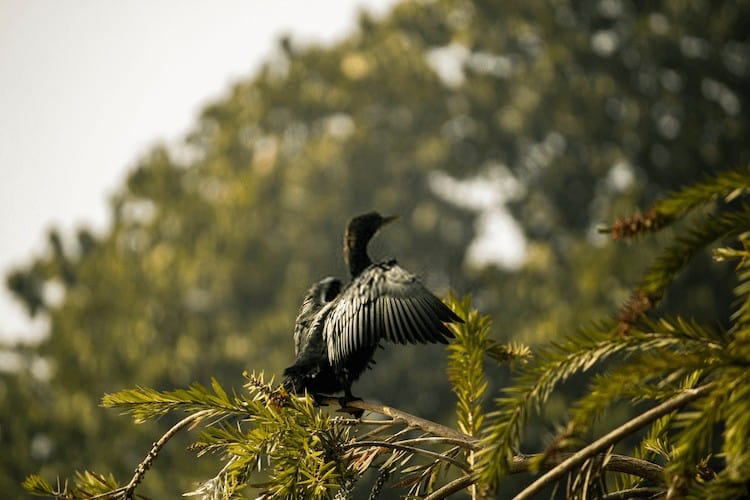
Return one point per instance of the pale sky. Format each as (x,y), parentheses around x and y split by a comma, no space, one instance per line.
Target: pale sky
(86,86)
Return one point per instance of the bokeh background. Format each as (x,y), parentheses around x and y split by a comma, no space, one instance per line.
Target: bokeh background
(504,134)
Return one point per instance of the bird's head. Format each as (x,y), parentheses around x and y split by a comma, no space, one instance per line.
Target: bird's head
(363,227)
(358,234)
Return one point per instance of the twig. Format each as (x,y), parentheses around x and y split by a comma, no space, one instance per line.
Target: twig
(411,421)
(434,440)
(362,421)
(449,488)
(522,463)
(411,449)
(634,493)
(140,471)
(378,430)
(128,490)
(607,440)
(635,467)
(615,463)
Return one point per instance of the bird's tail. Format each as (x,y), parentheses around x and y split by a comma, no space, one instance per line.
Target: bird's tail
(292,381)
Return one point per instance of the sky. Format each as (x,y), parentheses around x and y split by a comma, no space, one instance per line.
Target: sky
(87,86)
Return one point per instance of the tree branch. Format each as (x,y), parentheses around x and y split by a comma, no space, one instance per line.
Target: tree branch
(522,463)
(453,487)
(615,463)
(611,438)
(140,471)
(411,421)
(634,493)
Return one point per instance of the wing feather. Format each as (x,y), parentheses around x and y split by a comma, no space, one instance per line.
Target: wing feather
(402,328)
(384,302)
(411,330)
(428,309)
(361,320)
(382,312)
(416,319)
(390,319)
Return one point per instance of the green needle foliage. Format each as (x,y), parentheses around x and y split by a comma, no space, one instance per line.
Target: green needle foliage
(639,357)
(466,358)
(297,448)
(86,485)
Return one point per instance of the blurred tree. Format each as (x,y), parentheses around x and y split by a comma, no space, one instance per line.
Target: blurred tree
(564,112)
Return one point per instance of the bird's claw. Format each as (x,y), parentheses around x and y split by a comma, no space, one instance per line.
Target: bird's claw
(319,400)
(354,412)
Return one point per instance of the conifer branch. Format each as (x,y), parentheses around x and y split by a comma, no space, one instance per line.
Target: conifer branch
(574,354)
(726,185)
(454,486)
(525,463)
(410,420)
(615,463)
(145,465)
(127,492)
(662,272)
(519,463)
(613,437)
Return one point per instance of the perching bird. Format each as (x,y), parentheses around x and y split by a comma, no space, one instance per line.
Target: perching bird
(337,331)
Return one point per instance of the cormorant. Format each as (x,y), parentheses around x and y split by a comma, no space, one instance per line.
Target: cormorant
(337,330)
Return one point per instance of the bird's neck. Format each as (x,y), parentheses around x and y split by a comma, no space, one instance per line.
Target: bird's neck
(355,254)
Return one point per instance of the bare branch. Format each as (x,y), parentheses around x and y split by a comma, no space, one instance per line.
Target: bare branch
(453,487)
(145,465)
(615,463)
(634,493)
(411,421)
(522,463)
(607,440)
(434,440)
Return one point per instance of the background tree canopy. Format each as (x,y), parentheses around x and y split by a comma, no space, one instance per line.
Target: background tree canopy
(453,114)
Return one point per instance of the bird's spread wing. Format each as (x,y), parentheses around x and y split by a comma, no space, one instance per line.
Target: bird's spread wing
(384,302)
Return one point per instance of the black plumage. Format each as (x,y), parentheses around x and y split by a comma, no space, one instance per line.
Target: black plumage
(338,330)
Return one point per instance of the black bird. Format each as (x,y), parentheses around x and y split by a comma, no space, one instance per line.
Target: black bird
(337,330)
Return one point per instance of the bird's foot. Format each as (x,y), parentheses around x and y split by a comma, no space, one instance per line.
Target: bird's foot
(319,399)
(344,403)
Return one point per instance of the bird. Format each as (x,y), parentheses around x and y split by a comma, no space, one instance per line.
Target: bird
(338,328)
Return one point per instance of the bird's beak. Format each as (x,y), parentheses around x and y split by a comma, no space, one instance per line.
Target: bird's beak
(388,219)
